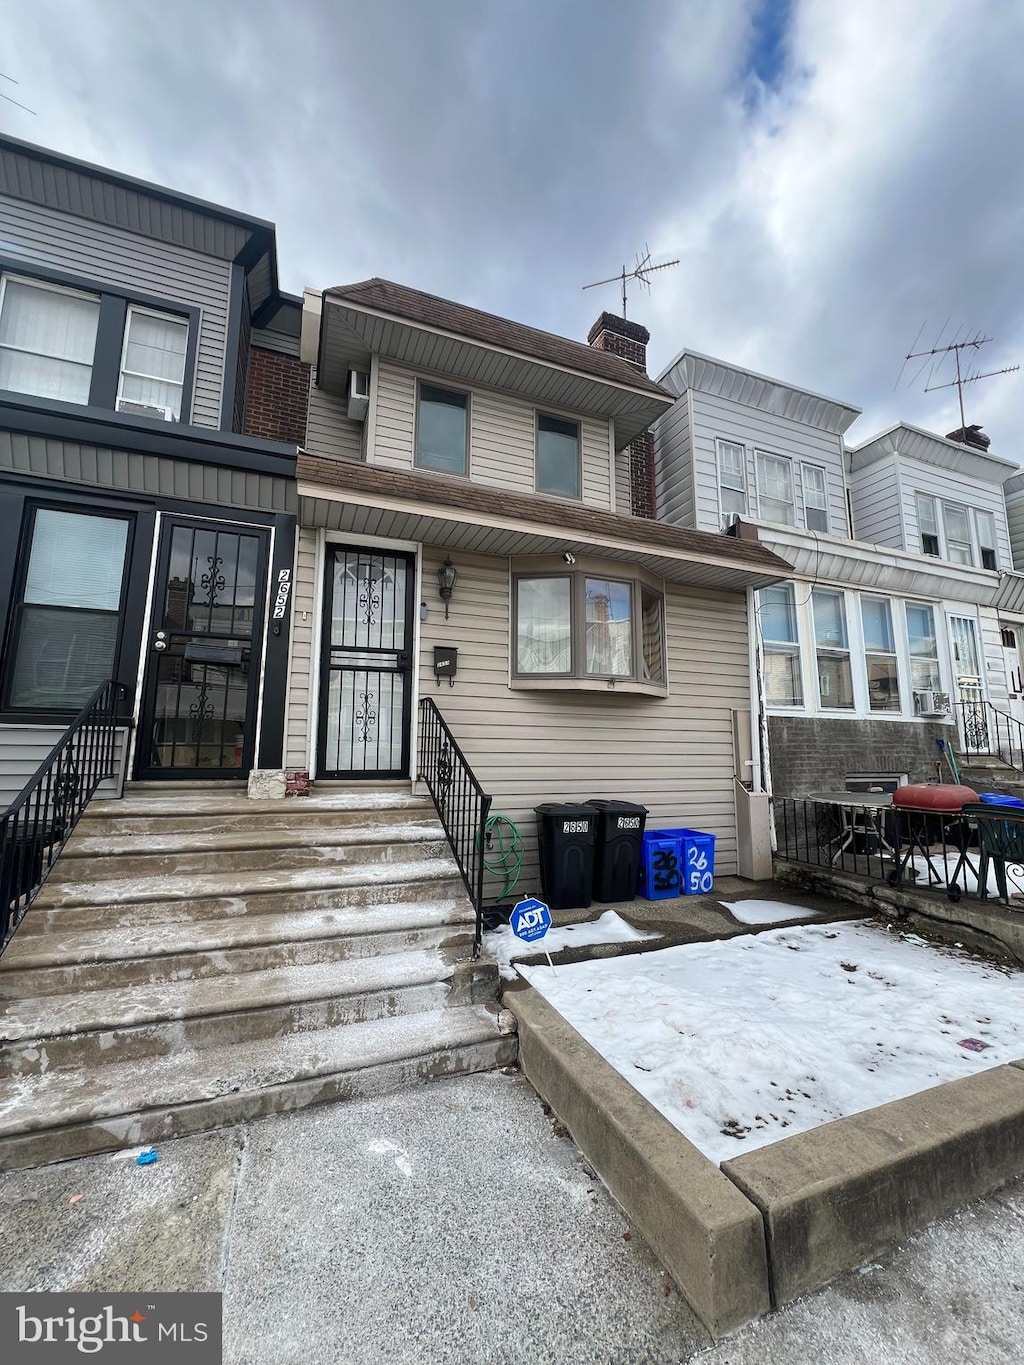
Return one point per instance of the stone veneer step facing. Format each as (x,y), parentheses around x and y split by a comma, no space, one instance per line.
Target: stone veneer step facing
(198,959)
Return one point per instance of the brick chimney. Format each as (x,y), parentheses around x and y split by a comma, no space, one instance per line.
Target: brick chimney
(628,340)
(622,338)
(970,436)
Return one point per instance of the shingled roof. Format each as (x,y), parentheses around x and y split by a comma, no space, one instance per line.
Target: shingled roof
(415,306)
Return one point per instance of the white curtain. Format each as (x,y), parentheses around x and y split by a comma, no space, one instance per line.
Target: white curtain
(544,627)
(47,342)
(154,361)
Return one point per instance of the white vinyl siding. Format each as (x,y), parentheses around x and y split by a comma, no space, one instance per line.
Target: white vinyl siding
(958,489)
(502,437)
(23,748)
(108,255)
(875,501)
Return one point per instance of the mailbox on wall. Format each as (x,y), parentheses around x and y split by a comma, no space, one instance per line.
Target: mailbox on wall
(446,663)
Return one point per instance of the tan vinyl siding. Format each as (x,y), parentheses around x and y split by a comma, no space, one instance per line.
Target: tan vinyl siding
(302,667)
(502,437)
(673,754)
(24,747)
(108,255)
(623,485)
(329,431)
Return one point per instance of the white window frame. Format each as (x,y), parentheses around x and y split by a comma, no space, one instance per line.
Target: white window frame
(33,283)
(176,318)
(835,650)
(721,441)
(759,455)
(919,498)
(818,469)
(894,654)
(969,542)
(979,515)
(792,648)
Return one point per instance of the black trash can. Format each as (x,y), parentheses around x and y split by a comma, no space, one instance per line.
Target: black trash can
(565,834)
(620,833)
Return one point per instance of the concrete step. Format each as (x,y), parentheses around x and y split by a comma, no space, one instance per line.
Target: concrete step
(105,858)
(57,963)
(203,812)
(93,1028)
(352,893)
(67,1113)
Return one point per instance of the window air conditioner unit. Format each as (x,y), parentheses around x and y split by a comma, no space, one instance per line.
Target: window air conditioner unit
(162,414)
(731,523)
(358,394)
(931,703)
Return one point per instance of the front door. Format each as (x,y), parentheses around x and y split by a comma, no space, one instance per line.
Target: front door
(970,692)
(366,663)
(199,698)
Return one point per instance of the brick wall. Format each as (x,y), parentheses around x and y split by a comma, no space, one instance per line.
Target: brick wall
(813,754)
(641,476)
(275,406)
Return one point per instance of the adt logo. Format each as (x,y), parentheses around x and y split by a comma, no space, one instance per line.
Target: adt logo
(531,919)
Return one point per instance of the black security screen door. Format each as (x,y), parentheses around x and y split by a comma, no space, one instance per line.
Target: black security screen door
(199,699)
(366,668)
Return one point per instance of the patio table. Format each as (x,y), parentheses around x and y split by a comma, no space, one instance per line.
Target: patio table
(872,805)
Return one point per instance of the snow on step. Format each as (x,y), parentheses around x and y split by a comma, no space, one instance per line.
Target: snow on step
(230,841)
(235,804)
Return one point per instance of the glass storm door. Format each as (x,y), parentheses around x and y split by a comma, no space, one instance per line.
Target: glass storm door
(970,693)
(199,700)
(366,667)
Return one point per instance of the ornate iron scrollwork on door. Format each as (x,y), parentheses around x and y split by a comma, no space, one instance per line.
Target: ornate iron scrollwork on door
(369,600)
(366,716)
(212,582)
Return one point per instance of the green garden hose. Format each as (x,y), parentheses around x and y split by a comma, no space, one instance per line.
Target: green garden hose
(503,851)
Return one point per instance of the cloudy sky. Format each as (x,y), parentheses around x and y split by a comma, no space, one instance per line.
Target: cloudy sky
(832,176)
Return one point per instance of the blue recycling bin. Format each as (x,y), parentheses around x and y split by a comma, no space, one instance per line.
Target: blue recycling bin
(1000,799)
(693,864)
(659,866)
(698,862)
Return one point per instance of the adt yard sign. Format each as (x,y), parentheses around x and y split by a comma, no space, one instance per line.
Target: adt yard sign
(531,919)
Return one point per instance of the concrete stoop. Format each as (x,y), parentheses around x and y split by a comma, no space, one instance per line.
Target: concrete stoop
(197,959)
(765,1228)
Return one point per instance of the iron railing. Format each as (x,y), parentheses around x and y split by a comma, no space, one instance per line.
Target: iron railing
(461,802)
(977,852)
(38,822)
(984,729)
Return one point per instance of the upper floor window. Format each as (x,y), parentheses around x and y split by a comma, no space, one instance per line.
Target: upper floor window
(780,638)
(958,533)
(985,524)
(558,456)
(951,531)
(441,430)
(928,525)
(732,479)
(775,488)
(815,497)
(47,339)
(153,364)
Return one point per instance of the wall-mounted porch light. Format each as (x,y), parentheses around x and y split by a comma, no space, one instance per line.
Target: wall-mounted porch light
(447,577)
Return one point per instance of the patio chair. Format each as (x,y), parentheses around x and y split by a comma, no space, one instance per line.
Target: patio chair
(1001,837)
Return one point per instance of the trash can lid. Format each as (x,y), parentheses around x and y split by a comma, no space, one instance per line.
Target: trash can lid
(626,807)
(1000,799)
(565,809)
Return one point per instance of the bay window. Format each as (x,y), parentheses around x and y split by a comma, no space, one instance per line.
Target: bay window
(880,654)
(780,643)
(775,488)
(832,649)
(68,617)
(583,626)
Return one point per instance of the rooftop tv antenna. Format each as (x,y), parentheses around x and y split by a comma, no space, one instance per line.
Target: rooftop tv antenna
(640,272)
(936,353)
(5,77)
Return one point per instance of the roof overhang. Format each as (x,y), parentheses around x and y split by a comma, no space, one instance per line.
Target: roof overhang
(350,333)
(938,451)
(360,512)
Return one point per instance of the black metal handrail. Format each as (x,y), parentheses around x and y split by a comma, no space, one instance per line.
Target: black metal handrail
(38,822)
(984,729)
(461,802)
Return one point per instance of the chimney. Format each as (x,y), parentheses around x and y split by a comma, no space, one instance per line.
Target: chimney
(628,340)
(972,436)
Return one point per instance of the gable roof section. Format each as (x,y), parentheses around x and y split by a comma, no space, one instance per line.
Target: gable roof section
(447,511)
(917,444)
(398,300)
(704,374)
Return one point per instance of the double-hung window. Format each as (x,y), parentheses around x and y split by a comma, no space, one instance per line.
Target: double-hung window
(832,647)
(780,643)
(880,654)
(47,339)
(812,477)
(732,480)
(152,376)
(558,456)
(957,526)
(925,674)
(928,525)
(441,430)
(985,525)
(775,488)
(68,616)
(585,626)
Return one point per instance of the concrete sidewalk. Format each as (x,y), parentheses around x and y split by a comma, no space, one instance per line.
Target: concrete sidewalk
(451,1223)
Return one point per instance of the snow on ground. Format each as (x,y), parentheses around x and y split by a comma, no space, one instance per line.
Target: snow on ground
(753,911)
(504,947)
(748,1040)
(944,866)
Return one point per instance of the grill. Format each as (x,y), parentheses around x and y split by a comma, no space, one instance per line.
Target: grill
(925,815)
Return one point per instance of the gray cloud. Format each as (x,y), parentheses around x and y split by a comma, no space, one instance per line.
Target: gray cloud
(505,152)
